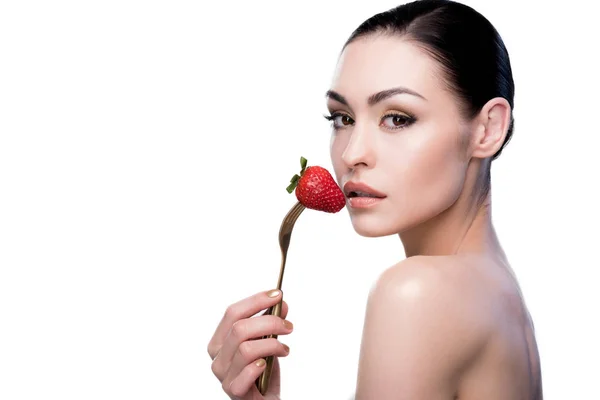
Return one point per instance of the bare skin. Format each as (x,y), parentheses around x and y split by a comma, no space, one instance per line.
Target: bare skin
(449,321)
(482,344)
(236,347)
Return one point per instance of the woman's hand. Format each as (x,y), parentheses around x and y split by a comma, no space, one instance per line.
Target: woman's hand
(238,350)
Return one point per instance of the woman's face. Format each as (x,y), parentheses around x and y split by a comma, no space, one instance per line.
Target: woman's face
(399,131)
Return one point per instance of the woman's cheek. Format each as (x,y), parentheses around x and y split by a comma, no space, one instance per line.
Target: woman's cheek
(433,174)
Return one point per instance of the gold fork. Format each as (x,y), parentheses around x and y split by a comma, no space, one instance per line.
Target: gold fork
(285,234)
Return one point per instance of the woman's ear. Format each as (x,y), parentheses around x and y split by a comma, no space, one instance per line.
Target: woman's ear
(491,127)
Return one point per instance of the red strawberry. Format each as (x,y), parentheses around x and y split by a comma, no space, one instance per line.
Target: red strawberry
(316,189)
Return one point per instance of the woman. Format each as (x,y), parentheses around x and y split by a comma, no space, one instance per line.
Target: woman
(421,103)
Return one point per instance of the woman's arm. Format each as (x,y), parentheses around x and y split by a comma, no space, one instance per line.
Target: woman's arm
(420,331)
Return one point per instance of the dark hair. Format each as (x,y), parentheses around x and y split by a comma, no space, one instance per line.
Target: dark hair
(470,51)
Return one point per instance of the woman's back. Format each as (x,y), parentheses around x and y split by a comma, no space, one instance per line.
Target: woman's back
(448,327)
(508,366)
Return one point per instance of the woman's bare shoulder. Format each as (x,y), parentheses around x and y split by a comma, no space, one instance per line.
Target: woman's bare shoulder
(459,276)
(417,311)
(454,276)
(458,290)
(450,292)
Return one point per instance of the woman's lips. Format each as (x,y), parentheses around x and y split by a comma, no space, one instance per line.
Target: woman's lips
(364,202)
(360,189)
(361,195)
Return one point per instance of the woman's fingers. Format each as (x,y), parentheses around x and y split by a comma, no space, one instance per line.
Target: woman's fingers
(245,308)
(243,383)
(283,313)
(237,343)
(247,330)
(250,351)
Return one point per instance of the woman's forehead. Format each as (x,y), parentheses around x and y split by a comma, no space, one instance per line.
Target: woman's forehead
(380,62)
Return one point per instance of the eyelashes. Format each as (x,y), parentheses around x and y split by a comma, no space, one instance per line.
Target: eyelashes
(398,121)
(391,121)
(339,120)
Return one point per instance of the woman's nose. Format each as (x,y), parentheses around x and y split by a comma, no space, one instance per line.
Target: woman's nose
(359,149)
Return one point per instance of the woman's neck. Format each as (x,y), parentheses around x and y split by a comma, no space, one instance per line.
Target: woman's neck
(465,227)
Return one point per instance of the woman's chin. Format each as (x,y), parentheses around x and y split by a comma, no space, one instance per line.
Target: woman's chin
(373,228)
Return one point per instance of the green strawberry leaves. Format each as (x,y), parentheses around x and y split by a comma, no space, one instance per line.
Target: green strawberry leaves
(296,178)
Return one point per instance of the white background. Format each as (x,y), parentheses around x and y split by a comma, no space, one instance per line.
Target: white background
(144,151)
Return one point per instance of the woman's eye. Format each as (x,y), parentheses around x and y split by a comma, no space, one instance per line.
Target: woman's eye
(340,120)
(396,121)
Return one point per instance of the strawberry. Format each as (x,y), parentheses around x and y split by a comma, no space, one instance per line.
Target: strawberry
(316,189)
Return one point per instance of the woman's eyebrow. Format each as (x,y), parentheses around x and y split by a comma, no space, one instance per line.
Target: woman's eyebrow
(337,97)
(374,98)
(384,94)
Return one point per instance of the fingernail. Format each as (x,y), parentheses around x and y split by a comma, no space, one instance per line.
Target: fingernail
(286,348)
(288,324)
(273,293)
(260,363)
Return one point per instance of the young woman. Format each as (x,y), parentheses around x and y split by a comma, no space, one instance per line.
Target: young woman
(421,103)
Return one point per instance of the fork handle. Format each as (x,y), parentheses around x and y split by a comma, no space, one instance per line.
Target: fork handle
(262,383)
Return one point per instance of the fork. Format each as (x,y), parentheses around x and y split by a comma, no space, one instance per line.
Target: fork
(285,234)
